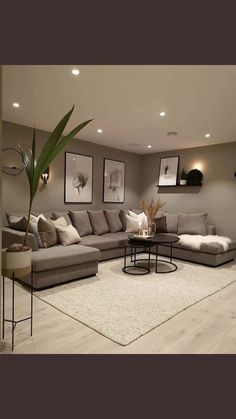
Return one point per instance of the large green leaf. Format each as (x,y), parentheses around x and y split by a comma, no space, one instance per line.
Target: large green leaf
(51,142)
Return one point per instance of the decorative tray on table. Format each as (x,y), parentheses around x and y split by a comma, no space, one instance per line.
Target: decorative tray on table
(140,237)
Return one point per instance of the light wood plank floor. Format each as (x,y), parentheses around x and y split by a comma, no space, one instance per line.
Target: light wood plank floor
(207,327)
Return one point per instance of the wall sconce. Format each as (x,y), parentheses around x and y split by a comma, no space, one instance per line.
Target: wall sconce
(45,176)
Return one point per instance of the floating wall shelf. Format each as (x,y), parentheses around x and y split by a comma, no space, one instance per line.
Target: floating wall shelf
(179,186)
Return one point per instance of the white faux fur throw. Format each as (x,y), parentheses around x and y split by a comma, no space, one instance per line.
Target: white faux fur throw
(195,241)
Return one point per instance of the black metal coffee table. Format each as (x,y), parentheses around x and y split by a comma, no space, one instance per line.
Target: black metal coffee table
(146,244)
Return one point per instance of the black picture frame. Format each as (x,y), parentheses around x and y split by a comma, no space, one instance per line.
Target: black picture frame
(173,178)
(68,201)
(112,201)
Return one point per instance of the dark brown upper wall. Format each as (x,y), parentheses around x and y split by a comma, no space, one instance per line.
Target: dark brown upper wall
(51,196)
(217,196)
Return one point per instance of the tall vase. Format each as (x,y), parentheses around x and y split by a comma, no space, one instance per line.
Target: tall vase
(151,227)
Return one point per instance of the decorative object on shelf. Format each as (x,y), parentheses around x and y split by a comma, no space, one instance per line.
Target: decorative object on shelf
(151,209)
(168,171)
(183,177)
(34,169)
(13,166)
(194,177)
(114,181)
(78,179)
(45,176)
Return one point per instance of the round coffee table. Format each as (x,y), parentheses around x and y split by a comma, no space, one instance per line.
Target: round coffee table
(146,244)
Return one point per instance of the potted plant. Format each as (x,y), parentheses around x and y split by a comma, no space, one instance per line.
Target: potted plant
(17,258)
(151,209)
(183,177)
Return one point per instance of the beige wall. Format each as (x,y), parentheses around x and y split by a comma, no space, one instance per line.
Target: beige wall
(51,196)
(217,196)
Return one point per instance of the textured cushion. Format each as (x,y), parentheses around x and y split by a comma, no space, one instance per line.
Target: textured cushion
(18,222)
(61,256)
(56,215)
(161,226)
(113,220)
(47,231)
(123,219)
(171,222)
(100,242)
(81,222)
(159,214)
(98,222)
(192,224)
(132,224)
(68,235)
(33,227)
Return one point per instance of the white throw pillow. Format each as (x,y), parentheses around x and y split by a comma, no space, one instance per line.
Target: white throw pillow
(68,235)
(132,224)
(142,218)
(33,227)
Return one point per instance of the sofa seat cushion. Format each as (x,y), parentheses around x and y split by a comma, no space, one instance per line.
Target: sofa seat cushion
(99,242)
(121,237)
(61,256)
(212,247)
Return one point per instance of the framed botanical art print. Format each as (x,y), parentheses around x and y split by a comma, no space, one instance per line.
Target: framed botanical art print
(78,179)
(168,171)
(113,181)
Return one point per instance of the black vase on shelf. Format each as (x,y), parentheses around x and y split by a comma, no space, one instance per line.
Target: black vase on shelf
(194,177)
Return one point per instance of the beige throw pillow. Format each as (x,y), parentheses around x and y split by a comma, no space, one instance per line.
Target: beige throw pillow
(68,235)
(132,224)
(33,227)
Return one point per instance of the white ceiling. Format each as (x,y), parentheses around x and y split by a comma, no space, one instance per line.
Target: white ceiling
(125,101)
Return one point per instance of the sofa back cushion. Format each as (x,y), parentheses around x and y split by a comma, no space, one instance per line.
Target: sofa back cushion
(64,214)
(171,222)
(98,222)
(113,220)
(193,224)
(81,222)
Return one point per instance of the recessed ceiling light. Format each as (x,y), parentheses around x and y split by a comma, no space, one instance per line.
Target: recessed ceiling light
(75,71)
(207,135)
(99,130)
(149,146)
(16,105)
(162,113)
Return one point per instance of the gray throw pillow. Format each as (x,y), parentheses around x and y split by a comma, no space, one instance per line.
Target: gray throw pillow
(56,215)
(113,220)
(99,222)
(81,222)
(171,222)
(161,226)
(123,220)
(17,222)
(192,224)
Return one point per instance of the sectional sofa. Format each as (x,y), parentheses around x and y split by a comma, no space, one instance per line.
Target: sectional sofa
(103,237)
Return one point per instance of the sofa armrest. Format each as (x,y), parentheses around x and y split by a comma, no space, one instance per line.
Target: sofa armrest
(11,236)
(211,229)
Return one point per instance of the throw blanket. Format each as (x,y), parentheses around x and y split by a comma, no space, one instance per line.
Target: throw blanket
(195,241)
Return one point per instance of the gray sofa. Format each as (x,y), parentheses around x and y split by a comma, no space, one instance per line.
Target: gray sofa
(59,263)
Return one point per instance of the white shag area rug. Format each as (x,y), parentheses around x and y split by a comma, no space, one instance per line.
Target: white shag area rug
(122,307)
(195,241)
